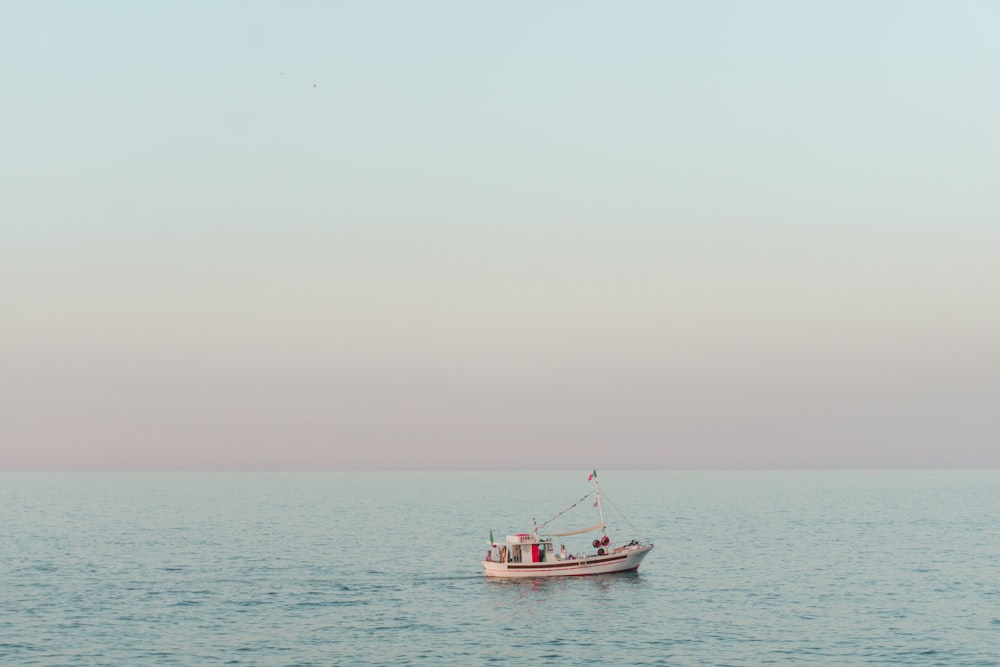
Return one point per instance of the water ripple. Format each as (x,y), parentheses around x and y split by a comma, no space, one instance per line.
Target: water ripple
(750,568)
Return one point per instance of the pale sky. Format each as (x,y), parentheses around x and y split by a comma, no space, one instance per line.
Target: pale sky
(517,235)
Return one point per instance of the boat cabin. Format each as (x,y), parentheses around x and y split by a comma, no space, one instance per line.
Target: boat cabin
(525,548)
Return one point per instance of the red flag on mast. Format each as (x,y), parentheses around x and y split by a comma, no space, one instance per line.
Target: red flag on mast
(592,476)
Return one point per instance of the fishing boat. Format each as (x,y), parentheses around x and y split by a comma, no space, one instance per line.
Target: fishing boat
(534,554)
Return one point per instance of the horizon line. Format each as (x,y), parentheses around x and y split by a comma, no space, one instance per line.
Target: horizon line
(503,470)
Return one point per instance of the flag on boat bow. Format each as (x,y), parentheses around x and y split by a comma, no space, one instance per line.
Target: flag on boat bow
(592,476)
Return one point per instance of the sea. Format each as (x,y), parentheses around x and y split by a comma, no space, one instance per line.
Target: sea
(377,568)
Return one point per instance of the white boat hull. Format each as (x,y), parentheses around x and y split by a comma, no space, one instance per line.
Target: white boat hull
(619,561)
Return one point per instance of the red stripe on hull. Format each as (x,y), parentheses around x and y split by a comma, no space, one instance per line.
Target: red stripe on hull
(572,563)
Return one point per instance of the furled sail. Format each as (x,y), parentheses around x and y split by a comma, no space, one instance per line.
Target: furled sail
(578,531)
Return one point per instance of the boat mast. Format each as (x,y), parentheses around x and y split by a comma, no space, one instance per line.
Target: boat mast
(600,507)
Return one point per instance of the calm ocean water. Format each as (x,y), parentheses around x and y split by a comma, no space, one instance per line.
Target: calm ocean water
(750,568)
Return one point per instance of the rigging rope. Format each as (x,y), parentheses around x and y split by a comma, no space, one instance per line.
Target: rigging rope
(566,510)
(622,515)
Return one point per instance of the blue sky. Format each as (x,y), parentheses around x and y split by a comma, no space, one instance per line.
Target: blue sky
(471,235)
